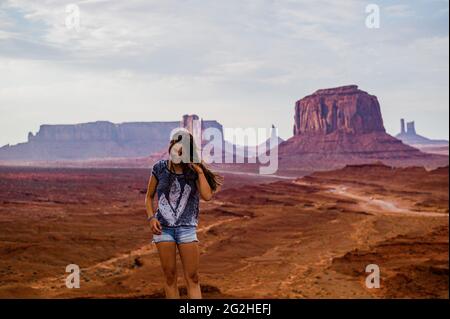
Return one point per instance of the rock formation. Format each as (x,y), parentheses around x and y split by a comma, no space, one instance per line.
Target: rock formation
(345,109)
(100,139)
(197,126)
(410,137)
(343,125)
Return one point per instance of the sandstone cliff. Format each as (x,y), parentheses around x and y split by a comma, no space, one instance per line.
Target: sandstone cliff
(343,125)
(346,109)
(100,139)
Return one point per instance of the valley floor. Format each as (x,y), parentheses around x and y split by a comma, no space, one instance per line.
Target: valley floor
(261,237)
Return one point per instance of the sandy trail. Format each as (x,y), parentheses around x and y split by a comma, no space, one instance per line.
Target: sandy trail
(374,205)
(380,205)
(255,174)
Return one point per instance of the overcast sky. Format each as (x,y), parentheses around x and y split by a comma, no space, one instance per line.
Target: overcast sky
(241,62)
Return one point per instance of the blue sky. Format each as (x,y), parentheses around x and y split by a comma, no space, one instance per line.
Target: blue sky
(242,62)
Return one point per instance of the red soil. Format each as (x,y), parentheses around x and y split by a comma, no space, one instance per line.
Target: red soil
(259,237)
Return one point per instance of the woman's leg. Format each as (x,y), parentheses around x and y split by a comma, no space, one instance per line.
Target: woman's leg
(190,258)
(167,255)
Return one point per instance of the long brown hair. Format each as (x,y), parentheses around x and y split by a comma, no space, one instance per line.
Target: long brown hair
(180,136)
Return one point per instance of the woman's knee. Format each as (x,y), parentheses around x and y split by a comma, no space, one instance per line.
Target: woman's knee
(171,276)
(192,277)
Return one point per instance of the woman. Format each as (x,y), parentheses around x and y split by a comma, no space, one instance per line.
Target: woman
(179,182)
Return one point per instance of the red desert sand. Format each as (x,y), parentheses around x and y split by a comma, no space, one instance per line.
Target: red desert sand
(261,237)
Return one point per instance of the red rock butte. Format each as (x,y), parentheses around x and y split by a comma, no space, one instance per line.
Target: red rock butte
(345,109)
(343,125)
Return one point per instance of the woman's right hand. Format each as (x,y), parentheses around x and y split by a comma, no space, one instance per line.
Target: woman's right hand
(155,226)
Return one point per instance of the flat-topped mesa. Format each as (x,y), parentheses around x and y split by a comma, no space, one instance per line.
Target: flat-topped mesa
(96,140)
(346,89)
(343,109)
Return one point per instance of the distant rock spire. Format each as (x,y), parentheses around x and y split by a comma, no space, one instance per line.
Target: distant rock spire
(411,128)
(273,134)
(402,126)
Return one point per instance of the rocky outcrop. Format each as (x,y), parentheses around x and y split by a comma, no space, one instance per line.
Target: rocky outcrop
(346,109)
(410,137)
(197,126)
(339,126)
(101,139)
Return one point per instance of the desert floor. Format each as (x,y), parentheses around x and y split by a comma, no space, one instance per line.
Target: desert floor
(261,237)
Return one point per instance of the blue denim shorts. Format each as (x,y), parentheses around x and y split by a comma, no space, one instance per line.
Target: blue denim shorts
(177,234)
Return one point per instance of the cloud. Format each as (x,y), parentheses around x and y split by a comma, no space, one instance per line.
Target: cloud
(217,58)
(398,10)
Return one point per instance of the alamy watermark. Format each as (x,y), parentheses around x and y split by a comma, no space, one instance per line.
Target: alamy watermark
(373,279)
(212,147)
(73,279)
(373,16)
(73,17)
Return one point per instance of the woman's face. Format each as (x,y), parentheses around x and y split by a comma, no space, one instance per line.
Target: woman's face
(176,153)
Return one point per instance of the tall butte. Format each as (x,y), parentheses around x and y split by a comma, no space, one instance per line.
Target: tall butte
(343,125)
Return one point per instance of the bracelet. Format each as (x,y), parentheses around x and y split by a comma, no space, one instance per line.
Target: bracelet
(150,218)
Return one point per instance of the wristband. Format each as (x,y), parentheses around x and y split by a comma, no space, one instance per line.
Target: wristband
(150,218)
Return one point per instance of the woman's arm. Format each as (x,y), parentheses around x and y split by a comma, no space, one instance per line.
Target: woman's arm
(150,196)
(149,202)
(205,190)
